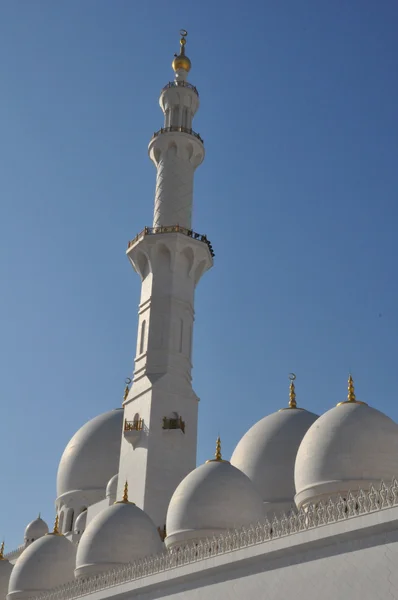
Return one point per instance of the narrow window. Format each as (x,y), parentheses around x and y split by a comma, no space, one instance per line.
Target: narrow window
(142,340)
(181,333)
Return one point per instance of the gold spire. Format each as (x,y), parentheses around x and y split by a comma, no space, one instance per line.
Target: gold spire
(126,389)
(218,456)
(125,499)
(351,398)
(55,531)
(351,390)
(181,61)
(2,551)
(292,394)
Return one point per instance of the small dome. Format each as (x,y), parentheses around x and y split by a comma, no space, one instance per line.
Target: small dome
(80,523)
(118,535)
(92,456)
(352,446)
(181,62)
(35,530)
(45,564)
(212,498)
(267,453)
(111,488)
(5,573)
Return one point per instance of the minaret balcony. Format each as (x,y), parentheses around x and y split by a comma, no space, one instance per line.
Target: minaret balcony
(181,83)
(177,129)
(172,229)
(133,430)
(173,423)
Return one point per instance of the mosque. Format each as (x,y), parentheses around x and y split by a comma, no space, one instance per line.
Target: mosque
(307,506)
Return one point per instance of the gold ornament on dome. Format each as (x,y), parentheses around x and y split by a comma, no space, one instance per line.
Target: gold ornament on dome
(292,394)
(181,61)
(351,398)
(218,456)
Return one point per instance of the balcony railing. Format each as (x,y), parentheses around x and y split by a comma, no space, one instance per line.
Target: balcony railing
(136,425)
(181,84)
(179,129)
(173,229)
(177,423)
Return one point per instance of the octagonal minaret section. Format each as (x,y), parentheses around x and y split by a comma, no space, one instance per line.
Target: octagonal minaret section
(176,149)
(161,408)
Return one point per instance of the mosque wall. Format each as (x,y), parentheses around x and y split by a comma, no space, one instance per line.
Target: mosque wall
(351,560)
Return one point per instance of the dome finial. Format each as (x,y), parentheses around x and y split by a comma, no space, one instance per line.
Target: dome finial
(2,551)
(56,531)
(218,456)
(351,397)
(126,389)
(125,499)
(351,391)
(292,391)
(126,492)
(292,394)
(181,61)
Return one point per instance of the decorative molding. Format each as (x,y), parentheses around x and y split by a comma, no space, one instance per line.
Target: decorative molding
(341,509)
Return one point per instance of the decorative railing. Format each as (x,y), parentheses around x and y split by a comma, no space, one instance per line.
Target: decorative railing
(136,425)
(172,84)
(179,129)
(177,423)
(312,517)
(173,229)
(14,553)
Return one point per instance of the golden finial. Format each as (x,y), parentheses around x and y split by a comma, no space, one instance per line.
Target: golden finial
(218,456)
(125,499)
(292,394)
(2,550)
(351,390)
(126,389)
(56,524)
(351,398)
(181,61)
(126,492)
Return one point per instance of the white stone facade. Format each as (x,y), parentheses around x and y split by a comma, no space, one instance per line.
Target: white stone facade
(346,549)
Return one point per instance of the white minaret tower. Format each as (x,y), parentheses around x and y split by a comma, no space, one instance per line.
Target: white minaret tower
(161,408)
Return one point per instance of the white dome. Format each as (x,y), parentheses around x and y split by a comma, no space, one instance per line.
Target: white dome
(118,535)
(45,564)
(212,498)
(80,523)
(267,453)
(91,457)
(351,446)
(5,573)
(111,488)
(35,530)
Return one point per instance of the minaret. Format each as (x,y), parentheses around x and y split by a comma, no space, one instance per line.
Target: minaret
(161,409)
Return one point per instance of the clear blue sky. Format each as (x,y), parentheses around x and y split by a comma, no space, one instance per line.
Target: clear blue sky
(298,194)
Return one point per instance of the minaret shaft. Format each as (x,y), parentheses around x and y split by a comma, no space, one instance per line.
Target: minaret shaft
(161,409)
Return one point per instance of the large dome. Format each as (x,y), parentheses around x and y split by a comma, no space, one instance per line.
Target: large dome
(92,456)
(267,453)
(118,535)
(45,564)
(212,498)
(352,446)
